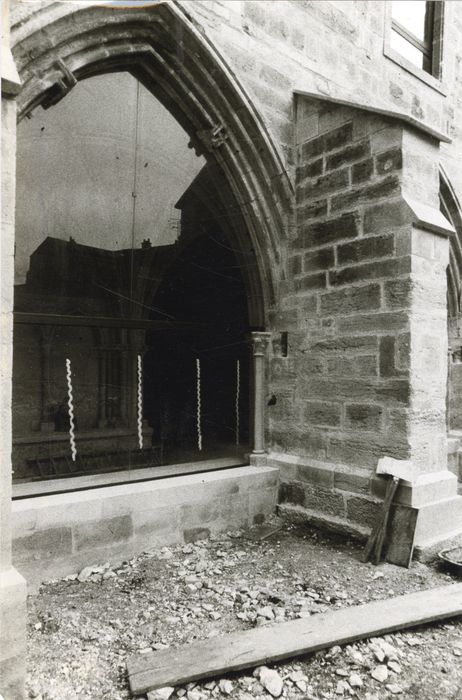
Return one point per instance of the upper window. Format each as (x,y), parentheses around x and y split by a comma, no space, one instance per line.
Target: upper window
(416,33)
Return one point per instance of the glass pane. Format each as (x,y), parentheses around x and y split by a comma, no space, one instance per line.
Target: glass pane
(411,15)
(131,321)
(407,50)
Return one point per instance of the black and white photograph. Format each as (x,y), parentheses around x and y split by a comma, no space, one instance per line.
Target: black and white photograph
(231,350)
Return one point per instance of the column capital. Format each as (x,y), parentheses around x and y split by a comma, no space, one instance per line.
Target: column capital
(260,341)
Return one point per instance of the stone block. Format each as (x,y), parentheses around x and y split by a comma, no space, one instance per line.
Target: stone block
(363,416)
(325,184)
(370,271)
(316,474)
(348,301)
(262,504)
(53,542)
(352,481)
(310,169)
(347,155)
(329,231)
(156,525)
(387,356)
(312,210)
(312,148)
(362,510)
(362,366)
(389,161)
(362,171)
(318,260)
(307,282)
(338,137)
(374,323)
(324,521)
(365,249)
(352,200)
(359,344)
(291,492)
(100,533)
(295,265)
(213,514)
(324,500)
(386,216)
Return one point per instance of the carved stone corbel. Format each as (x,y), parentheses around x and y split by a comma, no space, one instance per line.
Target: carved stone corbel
(61,87)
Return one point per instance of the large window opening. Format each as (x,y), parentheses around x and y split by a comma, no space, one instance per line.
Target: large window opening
(131,307)
(416,33)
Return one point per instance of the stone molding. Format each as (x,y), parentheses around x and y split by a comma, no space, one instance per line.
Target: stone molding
(381,110)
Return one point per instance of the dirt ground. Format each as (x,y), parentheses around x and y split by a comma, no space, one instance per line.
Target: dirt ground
(82,631)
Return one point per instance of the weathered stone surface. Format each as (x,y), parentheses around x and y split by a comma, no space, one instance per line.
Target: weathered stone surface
(51,542)
(362,510)
(350,154)
(363,416)
(291,492)
(389,161)
(365,249)
(351,200)
(362,171)
(370,271)
(352,300)
(324,232)
(319,260)
(98,533)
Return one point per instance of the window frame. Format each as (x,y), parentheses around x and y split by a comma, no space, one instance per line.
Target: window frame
(432,48)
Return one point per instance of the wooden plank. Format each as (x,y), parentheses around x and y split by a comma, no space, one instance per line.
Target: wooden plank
(399,542)
(381,519)
(250,648)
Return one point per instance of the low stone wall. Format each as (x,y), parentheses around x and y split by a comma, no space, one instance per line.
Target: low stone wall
(56,535)
(331,496)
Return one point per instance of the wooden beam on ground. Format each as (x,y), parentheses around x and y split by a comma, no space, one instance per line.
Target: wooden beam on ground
(261,645)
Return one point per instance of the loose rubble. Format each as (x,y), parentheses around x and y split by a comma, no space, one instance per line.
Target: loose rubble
(82,628)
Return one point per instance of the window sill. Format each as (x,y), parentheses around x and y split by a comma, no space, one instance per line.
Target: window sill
(32,489)
(418,73)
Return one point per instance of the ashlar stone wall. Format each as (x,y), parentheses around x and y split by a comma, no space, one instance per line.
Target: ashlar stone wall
(365,310)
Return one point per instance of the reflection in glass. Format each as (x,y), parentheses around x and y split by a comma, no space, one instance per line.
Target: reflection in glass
(125,248)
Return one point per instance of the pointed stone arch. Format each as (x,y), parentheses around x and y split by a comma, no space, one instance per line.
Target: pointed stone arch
(160,46)
(450,206)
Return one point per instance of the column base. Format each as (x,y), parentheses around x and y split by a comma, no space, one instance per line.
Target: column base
(13,621)
(258,459)
(338,497)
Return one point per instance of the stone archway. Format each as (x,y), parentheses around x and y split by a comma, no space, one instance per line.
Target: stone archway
(161,47)
(62,43)
(451,209)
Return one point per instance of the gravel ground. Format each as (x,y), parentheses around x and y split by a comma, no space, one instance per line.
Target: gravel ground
(81,630)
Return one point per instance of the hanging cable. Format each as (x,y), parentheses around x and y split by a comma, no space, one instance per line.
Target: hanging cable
(140,402)
(238,396)
(198,416)
(70,404)
(134,193)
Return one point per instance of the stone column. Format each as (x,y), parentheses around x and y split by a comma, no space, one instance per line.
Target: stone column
(366,294)
(12,584)
(259,346)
